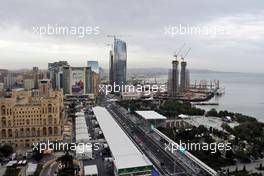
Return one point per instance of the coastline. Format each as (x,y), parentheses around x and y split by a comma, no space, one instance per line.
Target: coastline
(243,92)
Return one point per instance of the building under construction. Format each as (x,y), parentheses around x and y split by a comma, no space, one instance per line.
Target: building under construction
(178,82)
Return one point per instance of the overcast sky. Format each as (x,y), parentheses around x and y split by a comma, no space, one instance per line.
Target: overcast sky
(143,24)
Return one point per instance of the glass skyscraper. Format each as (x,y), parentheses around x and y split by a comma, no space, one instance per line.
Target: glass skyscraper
(94,66)
(119,62)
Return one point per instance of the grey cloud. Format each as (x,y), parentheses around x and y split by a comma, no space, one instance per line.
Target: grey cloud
(142,24)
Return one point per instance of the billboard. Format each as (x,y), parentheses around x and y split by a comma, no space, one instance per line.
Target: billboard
(77,81)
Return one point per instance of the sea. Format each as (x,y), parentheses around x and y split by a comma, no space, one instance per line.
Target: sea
(244,92)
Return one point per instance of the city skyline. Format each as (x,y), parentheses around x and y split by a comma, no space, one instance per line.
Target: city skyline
(146,33)
(131,88)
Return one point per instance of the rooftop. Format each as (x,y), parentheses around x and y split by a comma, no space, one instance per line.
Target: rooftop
(125,153)
(81,130)
(214,122)
(32,168)
(151,115)
(90,170)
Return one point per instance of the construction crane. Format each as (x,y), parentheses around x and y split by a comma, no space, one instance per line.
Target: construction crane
(187,52)
(114,36)
(176,54)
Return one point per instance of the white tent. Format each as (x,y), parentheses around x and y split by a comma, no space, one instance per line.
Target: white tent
(84,152)
(31,169)
(90,170)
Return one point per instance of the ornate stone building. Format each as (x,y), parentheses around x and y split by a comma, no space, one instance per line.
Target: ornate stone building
(27,118)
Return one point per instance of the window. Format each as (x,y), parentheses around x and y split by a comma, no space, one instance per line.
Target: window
(3,121)
(10,133)
(50,131)
(49,108)
(22,132)
(44,131)
(33,130)
(50,120)
(3,133)
(3,110)
(16,133)
(27,132)
(55,130)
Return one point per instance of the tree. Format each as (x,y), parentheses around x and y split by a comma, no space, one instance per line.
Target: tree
(244,168)
(212,113)
(6,150)
(229,154)
(227,128)
(37,154)
(201,129)
(260,166)
(66,160)
(68,166)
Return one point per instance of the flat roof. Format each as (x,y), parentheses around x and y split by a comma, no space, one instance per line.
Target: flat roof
(214,122)
(31,168)
(79,114)
(81,130)
(125,153)
(11,163)
(83,149)
(90,170)
(82,135)
(151,115)
(80,122)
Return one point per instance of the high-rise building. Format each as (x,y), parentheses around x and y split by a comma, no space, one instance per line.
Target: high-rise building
(88,80)
(94,66)
(95,83)
(183,79)
(119,62)
(36,77)
(45,87)
(1,89)
(111,67)
(55,72)
(28,119)
(187,82)
(66,80)
(3,73)
(173,81)
(10,80)
(29,84)
(95,76)
(77,80)
(101,73)
(173,78)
